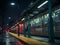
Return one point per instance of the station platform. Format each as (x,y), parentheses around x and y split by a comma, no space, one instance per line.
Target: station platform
(14,39)
(8,40)
(28,41)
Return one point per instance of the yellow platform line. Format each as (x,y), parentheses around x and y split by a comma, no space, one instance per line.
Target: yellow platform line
(28,40)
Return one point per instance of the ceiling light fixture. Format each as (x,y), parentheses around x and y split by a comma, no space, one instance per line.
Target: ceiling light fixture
(42,4)
(35,12)
(23,19)
(12,3)
(31,15)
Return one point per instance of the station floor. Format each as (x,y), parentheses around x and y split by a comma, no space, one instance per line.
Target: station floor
(9,40)
(44,39)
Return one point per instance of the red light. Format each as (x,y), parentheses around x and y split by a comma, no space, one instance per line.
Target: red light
(19,43)
(21,25)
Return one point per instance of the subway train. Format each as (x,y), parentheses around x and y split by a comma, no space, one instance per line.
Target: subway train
(39,25)
(40,31)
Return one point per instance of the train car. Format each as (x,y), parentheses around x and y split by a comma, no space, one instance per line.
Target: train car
(39,25)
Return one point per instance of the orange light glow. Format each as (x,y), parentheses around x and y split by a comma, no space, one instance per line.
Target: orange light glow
(21,25)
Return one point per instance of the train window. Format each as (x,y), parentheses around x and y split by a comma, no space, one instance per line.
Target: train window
(56,18)
(36,20)
(45,19)
(57,15)
(53,16)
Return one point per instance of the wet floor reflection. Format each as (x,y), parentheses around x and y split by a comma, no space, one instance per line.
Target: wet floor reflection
(9,40)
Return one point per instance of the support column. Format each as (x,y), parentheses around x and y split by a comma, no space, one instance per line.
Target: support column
(50,24)
(18,29)
(43,30)
(24,29)
(29,27)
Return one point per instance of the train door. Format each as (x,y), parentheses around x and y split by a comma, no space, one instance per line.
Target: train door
(21,27)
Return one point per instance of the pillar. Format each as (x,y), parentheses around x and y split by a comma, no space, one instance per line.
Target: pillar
(29,27)
(24,29)
(18,30)
(50,24)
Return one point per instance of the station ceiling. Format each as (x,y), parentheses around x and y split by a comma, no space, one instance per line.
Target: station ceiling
(34,10)
(20,9)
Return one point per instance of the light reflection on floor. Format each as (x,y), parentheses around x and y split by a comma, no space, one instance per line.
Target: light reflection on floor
(42,39)
(9,40)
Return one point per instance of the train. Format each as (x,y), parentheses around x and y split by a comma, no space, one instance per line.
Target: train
(39,25)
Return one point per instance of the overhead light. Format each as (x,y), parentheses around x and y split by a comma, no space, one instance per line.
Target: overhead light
(35,12)
(7,24)
(15,24)
(58,12)
(42,4)
(18,23)
(31,4)
(56,15)
(12,3)
(23,19)
(9,17)
(31,15)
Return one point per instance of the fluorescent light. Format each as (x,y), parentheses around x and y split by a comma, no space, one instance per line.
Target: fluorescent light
(31,3)
(23,19)
(42,4)
(31,15)
(7,24)
(12,3)
(57,10)
(35,12)
(18,23)
(9,17)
